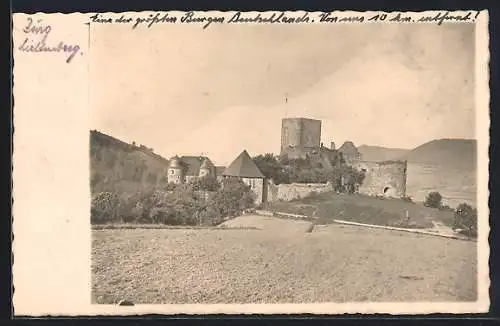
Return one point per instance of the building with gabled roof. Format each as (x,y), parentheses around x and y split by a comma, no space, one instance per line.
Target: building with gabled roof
(244,168)
(186,169)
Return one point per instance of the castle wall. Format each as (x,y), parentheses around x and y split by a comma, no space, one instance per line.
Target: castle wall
(257,186)
(383,178)
(295,153)
(272,191)
(288,192)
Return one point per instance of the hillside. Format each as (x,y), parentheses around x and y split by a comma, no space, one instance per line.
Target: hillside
(446,152)
(378,153)
(119,166)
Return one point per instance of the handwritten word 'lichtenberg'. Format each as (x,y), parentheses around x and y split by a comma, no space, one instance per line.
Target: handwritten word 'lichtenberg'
(36,41)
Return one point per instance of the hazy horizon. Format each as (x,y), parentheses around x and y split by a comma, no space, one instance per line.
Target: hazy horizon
(185,90)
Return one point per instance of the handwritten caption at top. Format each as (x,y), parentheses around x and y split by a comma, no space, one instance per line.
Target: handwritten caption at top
(206,19)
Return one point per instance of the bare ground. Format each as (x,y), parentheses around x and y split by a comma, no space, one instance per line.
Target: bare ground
(279,263)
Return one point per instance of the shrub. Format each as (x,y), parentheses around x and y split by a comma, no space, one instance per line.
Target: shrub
(233,198)
(466,219)
(206,184)
(170,186)
(184,205)
(433,200)
(165,215)
(209,215)
(104,207)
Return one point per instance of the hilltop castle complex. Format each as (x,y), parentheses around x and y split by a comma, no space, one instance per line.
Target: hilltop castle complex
(301,138)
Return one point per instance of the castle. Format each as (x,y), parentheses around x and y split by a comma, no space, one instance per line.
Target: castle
(301,138)
(186,169)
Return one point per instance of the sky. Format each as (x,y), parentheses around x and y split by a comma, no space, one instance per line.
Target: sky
(184,90)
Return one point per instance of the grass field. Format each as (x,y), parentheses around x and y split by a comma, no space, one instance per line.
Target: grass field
(279,263)
(364,209)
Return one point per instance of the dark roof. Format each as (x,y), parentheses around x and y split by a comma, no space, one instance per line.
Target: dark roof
(243,166)
(219,170)
(193,164)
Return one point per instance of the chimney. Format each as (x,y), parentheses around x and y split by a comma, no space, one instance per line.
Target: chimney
(332,146)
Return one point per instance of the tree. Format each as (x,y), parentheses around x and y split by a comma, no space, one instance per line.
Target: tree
(466,218)
(345,178)
(433,200)
(271,167)
(104,207)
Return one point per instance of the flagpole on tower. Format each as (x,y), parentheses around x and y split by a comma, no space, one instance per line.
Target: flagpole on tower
(286,106)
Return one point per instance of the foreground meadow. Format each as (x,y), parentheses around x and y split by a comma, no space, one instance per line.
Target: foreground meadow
(365,209)
(279,262)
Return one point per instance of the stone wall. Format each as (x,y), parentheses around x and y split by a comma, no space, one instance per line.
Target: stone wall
(290,133)
(257,186)
(287,192)
(383,178)
(311,133)
(271,191)
(299,135)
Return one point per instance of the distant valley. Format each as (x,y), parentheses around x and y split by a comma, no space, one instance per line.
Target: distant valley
(460,153)
(378,153)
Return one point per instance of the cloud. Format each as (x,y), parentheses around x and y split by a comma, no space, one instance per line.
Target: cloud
(221,90)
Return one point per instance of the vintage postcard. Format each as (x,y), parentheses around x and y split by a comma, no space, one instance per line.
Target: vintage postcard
(251,162)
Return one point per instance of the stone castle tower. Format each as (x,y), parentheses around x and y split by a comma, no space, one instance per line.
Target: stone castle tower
(386,178)
(299,136)
(175,171)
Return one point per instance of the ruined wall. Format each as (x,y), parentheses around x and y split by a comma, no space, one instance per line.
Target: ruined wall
(383,178)
(287,192)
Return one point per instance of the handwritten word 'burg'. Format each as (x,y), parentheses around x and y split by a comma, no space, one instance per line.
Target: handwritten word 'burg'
(36,41)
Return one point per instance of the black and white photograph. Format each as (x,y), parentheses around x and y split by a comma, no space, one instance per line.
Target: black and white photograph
(280,158)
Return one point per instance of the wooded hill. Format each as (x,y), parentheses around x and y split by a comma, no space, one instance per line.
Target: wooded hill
(120,167)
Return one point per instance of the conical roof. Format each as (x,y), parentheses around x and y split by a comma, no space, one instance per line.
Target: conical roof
(175,162)
(243,166)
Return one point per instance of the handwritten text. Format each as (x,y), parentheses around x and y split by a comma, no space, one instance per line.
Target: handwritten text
(206,19)
(36,40)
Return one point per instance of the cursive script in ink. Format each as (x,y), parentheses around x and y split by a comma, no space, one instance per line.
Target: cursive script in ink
(36,40)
